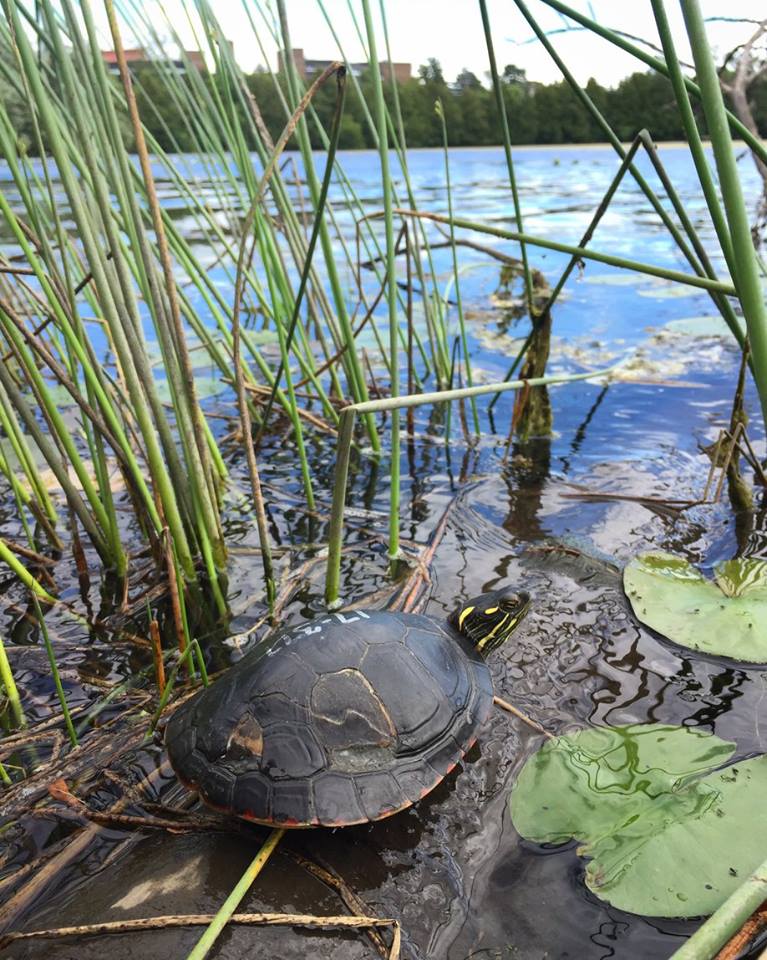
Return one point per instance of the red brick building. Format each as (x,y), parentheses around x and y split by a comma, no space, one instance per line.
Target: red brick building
(310,68)
(137,57)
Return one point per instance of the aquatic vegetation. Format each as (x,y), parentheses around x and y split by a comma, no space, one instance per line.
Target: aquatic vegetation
(669,830)
(724,616)
(160,316)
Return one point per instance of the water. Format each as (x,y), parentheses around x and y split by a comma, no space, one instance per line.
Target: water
(453,869)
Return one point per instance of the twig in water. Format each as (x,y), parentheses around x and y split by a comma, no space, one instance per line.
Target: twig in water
(324,872)
(505,705)
(61,792)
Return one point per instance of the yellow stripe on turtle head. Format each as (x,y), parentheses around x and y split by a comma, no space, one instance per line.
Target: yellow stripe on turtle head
(463,615)
(492,610)
(482,643)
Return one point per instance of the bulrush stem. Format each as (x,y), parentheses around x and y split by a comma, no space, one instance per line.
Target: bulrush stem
(381,115)
(745,267)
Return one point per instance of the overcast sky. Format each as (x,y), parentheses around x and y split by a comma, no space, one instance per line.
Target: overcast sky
(451,31)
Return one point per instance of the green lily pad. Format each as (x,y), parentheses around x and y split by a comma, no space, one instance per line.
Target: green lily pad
(725,617)
(205,387)
(667,833)
(698,327)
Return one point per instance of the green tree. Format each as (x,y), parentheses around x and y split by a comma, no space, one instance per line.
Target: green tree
(514,74)
(431,72)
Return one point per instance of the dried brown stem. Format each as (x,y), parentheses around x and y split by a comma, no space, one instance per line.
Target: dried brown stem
(750,929)
(159,664)
(203,919)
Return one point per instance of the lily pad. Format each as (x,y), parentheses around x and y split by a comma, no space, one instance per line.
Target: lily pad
(668,834)
(205,387)
(698,327)
(725,617)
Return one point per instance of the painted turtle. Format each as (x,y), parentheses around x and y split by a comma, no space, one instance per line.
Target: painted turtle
(351,718)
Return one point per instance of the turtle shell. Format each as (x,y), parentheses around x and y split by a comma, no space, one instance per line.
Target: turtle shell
(346,720)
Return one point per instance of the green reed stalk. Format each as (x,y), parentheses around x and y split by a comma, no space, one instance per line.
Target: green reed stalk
(188,409)
(694,140)
(746,269)
(110,297)
(387,404)
(228,907)
(459,302)
(55,673)
(391,280)
(57,465)
(23,454)
(709,938)
(433,309)
(357,385)
(6,673)
(704,283)
(23,574)
(192,653)
(400,144)
(316,228)
(501,106)
(643,139)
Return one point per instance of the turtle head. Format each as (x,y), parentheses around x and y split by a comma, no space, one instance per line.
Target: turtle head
(489,619)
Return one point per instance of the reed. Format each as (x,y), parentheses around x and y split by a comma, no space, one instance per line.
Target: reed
(456,281)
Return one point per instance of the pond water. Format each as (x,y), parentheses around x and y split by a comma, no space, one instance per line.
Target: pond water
(453,869)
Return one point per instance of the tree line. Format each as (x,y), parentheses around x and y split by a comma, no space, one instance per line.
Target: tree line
(537,113)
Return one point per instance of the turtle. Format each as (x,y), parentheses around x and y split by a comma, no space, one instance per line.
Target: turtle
(347,719)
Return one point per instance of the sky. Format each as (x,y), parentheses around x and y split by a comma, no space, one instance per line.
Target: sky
(451,31)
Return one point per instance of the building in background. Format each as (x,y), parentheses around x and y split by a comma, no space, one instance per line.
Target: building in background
(138,57)
(310,68)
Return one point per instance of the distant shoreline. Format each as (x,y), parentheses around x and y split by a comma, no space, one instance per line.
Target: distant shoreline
(665,144)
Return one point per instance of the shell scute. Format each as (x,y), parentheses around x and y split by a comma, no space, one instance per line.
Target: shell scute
(380,794)
(410,694)
(217,787)
(277,707)
(290,753)
(293,803)
(252,797)
(347,712)
(336,800)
